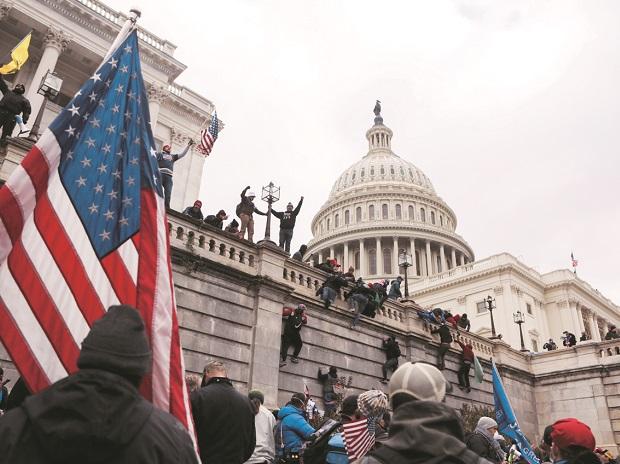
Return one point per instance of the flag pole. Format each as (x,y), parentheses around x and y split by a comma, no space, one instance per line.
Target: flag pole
(128,27)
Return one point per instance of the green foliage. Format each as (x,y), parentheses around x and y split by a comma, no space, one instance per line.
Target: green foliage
(470,413)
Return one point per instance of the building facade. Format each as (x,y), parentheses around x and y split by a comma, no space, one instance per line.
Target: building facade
(384,205)
(70,38)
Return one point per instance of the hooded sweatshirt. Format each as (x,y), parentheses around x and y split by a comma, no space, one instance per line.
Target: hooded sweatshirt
(92,416)
(292,429)
(424,432)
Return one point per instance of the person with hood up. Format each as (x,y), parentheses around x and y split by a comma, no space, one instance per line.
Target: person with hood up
(245,210)
(392,353)
(287,224)
(299,254)
(569,340)
(96,415)
(483,442)
(294,320)
(233,227)
(195,211)
(217,220)
(423,429)
(395,292)
(165,161)
(13,104)
(292,428)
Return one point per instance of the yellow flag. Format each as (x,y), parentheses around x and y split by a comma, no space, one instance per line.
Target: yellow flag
(18,56)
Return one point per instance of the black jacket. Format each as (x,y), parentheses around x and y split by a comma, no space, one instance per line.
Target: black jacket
(192,212)
(424,432)
(224,423)
(287,218)
(444,333)
(482,447)
(247,206)
(392,350)
(215,221)
(96,417)
(13,102)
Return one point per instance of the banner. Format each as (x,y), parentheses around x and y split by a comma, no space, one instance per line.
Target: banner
(507,421)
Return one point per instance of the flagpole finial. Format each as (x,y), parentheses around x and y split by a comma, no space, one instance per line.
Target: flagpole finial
(134,14)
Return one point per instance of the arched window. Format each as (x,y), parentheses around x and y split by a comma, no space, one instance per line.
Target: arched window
(432,217)
(402,172)
(392,170)
(399,213)
(327,223)
(382,170)
(363,171)
(422,215)
(353,176)
(372,262)
(358,214)
(384,211)
(371,212)
(336,221)
(356,260)
(372,170)
(411,213)
(387,261)
(347,217)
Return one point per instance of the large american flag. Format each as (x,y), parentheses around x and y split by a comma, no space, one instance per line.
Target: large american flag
(357,438)
(83,227)
(208,136)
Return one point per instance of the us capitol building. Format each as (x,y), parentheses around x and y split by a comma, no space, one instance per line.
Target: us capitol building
(383,206)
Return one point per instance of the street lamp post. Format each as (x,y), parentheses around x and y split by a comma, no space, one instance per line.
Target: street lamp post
(270,194)
(490,303)
(49,88)
(519,318)
(405,261)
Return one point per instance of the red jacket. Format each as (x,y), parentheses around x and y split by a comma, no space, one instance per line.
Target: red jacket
(468,352)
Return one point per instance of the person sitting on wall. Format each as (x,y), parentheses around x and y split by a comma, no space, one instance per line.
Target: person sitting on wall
(299,254)
(233,227)
(611,333)
(294,319)
(569,339)
(450,319)
(330,266)
(195,211)
(550,345)
(350,274)
(217,220)
(395,293)
(330,288)
(584,337)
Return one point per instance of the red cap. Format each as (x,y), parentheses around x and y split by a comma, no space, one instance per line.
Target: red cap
(567,432)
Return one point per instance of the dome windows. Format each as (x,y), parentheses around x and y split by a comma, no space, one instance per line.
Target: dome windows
(399,214)
(392,170)
(362,172)
(422,215)
(372,171)
(347,217)
(371,212)
(328,222)
(432,218)
(336,221)
(384,211)
(411,213)
(382,171)
(358,216)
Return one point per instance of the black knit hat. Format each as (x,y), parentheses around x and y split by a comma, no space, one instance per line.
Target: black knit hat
(117,343)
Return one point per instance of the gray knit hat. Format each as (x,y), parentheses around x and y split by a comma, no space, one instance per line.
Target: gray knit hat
(117,343)
(486,423)
(420,381)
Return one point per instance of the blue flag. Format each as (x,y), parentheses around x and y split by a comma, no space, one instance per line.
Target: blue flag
(507,421)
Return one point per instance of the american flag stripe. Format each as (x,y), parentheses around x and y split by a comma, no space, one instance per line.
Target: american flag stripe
(209,136)
(357,438)
(62,264)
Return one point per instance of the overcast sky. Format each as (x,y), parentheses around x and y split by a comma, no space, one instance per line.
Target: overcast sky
(511,109)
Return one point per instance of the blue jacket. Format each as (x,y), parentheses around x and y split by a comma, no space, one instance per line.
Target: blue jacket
(292,430)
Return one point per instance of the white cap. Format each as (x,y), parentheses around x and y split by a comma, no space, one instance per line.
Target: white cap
(251,194)
(419,380)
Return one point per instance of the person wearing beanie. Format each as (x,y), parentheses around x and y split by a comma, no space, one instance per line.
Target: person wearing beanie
(572,442)
(287,224)
(223,417)
(217,220)
(292,428)
(423,428)
(96,414)
(299,254)
(483,443)
(372,404)
(245,210)
(264,422)
(195,211)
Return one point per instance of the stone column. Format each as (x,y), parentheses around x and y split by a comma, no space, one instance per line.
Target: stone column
(55,42)
(429,259)
(453,258)
(414,267)
(332,254)
(442,258)
(320,253)
(362,259)
(395,268)
(462,257)
(379,256)
(594,323)
(579,319)
(345,256)
(157,95)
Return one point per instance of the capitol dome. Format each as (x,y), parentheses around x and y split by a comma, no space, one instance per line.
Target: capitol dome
(381,207)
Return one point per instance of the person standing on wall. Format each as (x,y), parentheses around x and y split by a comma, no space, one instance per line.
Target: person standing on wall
(287,224)
(165,161)
(245,211)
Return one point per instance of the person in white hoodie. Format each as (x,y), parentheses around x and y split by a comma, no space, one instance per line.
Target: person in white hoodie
(265,422)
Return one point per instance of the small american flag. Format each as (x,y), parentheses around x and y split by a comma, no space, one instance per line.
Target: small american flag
(208,136)
(357,438)
(573,260)
(83,227)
